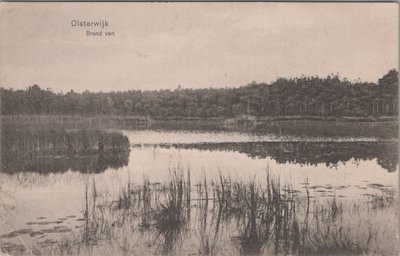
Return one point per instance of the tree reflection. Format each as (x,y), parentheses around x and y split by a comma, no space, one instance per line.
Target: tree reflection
(311,153)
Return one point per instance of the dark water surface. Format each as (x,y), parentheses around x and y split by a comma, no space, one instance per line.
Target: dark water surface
(47,200)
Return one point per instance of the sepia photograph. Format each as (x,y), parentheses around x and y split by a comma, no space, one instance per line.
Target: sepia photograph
(199,128)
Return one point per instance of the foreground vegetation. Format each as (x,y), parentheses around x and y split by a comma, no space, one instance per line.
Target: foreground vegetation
(225,217)
(313,96)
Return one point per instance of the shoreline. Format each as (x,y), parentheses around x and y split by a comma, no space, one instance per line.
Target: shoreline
(246,118)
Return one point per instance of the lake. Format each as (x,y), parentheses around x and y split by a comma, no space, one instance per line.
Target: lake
(48,202)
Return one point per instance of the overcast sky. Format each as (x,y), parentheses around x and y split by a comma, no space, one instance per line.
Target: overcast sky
(193,44)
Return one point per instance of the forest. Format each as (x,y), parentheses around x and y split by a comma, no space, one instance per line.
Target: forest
(312,96)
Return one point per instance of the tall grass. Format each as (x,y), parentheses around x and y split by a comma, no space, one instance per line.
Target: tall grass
(225,217)
(76,122)
(26,141)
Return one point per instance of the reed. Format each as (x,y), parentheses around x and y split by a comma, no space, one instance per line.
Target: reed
(26,144)
(226,217)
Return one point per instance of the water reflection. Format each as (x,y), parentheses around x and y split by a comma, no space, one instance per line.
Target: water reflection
(210,216)
(309,153)
(58,164)
(280,127)
(249,218)
(49,149)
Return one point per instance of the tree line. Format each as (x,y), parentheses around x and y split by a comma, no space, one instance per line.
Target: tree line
(328,96)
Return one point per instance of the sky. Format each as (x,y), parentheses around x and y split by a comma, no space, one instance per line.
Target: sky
(195,45)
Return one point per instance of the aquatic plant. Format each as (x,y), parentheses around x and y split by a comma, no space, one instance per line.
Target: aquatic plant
(226,217)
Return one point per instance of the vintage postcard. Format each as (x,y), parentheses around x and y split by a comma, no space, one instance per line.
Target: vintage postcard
(203,128)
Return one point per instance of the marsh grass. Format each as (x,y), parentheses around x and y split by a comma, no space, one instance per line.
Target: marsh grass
(225,217)
(384,200)
(76,121)
(329,128)
(42,144)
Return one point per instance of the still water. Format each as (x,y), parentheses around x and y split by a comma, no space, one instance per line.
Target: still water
(42,206)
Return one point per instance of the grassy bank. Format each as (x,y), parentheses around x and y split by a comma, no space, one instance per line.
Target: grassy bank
(382,130)
(28,143)
(225,217)
(385,128)
(100,122)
